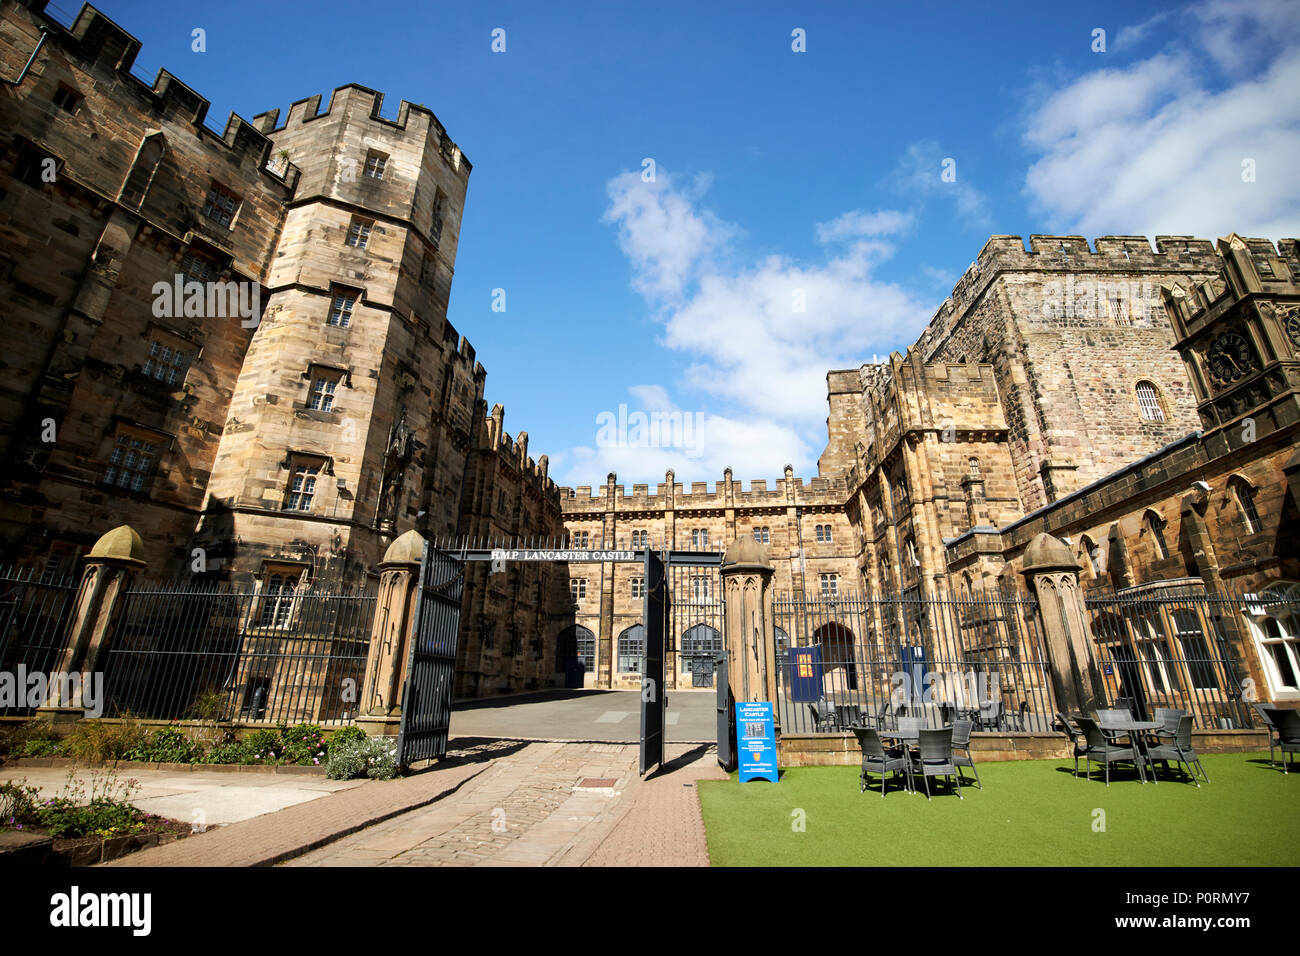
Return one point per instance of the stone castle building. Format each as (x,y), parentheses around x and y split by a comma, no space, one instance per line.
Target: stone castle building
(298,397)
(238,344)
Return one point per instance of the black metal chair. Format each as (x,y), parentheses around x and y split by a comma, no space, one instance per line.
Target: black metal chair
(1266,715)
(934,758)
(1168,718)
(1180,749)
(961,749)
(876,759)
(1080,749)
(881,716)
(1104,750)
(1287,722)
(824,719)
(990,715)
(848,716)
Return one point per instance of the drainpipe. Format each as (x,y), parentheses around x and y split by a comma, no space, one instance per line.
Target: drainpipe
(45,32)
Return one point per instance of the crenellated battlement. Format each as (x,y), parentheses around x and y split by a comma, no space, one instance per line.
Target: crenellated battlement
(103,45)
(353,101)
(727,493)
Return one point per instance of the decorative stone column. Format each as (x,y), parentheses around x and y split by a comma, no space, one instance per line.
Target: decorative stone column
(750,639)
(1053,573)
(379,712)
(110,566)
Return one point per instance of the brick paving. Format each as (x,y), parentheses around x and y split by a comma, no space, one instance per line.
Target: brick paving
(661,824)
(497,803)
(526,810)
(274,837)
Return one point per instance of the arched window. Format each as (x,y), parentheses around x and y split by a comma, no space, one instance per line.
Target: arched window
(974,465)
(1245,495)
(1149,402)
(631,650)
(1154,525)
(142,172)
(1275,621)
(277,607)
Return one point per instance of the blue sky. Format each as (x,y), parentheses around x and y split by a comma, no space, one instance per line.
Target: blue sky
(797,219)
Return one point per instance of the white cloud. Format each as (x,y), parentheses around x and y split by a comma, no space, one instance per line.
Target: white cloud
(759,337)
(1154,147)
(859,223)
(667,239)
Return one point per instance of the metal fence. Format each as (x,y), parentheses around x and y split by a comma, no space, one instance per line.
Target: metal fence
(695,635)
(275,654)
(34,613)
(1173,647)
(844,658)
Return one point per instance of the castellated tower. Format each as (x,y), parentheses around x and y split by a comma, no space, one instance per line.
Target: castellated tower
(353,413)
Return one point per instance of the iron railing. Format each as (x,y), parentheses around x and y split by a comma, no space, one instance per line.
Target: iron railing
(34,613)
(1175,645)
(231,653)
(695,635)
(847,658)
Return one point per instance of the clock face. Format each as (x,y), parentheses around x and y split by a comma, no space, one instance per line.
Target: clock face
(1293,326)
(1230,358)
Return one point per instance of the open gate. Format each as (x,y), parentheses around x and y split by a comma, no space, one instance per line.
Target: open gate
(654,700)
(431,660)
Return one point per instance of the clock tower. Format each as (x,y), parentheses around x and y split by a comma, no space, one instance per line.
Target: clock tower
(1239,335)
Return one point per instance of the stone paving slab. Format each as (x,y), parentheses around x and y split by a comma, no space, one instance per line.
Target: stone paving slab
(220,798)
(527,810)
(275,837)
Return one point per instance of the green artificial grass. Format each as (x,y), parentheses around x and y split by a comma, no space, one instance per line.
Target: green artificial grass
(1030,813)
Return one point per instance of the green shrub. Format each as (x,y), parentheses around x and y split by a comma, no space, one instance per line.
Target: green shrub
(17,803)
(231,751)
(38,747)
(167,745)
(345,734)
(375,757)
(304,744)
(263,746)
(209,705)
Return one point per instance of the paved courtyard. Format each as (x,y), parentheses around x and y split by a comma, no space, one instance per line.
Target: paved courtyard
(611,716)
(547,804)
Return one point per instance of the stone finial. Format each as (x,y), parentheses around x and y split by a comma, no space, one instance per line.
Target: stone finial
(1046,553)
(123,544)
(408,548)
(745,552)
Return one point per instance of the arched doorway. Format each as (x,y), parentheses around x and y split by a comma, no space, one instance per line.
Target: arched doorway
(575,654)
(701,644)
(839,657)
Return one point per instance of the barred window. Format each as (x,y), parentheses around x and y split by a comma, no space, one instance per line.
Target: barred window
(1149,402)
(700,538)
(375,163)
(974,465)
(359,233)
(166,364)
(198,268)
(763,535)
(580,540)
(1245,496)
(66,98)
(701,589)
(823,532)
(341,310)
(221,206)
(631,649)
(638,587)
(132,461)
(830,585)
(302,486)
(577,588)
(277,603)
(322,392)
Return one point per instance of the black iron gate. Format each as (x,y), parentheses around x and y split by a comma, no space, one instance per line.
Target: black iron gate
(431,662)
(654,700)
(726,717)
